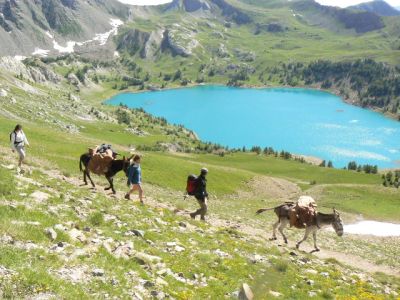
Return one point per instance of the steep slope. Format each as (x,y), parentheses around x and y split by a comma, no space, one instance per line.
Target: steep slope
(45,26)
(379,7)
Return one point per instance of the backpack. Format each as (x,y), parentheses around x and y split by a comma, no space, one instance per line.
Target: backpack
(15,142)
(11,133)
(191,185)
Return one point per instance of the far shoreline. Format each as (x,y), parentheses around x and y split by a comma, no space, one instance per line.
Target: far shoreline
(335,92)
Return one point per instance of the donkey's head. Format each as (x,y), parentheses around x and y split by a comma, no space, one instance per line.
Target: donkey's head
(126,164)
(337,223)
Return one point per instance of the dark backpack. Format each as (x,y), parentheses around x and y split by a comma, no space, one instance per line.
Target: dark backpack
(191,184)
(13,132)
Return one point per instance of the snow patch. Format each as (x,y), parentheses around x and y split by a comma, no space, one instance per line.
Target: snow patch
(373,228)
(69,48)
(19,57)
(40,52)
(101,38)
(49,35)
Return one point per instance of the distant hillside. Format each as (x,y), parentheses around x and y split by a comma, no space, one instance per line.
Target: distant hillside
(44,26)
(331,17)
(379,7)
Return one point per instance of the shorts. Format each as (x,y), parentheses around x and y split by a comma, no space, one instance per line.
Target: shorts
(21,152)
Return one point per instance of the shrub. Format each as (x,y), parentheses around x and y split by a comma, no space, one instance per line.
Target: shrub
(96,219)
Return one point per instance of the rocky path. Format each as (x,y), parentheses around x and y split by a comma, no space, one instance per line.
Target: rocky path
(260,234)
(281,189)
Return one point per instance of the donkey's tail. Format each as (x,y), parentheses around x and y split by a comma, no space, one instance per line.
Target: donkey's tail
(261,210)
(80,164)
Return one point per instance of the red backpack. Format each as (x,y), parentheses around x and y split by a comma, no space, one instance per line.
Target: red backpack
(191,185)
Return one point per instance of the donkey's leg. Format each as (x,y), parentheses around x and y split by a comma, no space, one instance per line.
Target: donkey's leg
(282,226)
(316,249)
(111,181)
(90,178)
(306,233)
(84,177)
(274,231)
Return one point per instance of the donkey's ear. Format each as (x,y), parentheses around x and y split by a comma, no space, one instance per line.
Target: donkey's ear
(335,211)
(123,157)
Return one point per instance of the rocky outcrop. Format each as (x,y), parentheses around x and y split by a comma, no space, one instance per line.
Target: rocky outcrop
(189,5)
(133,41)
(153,44)
(271,27)
(232,13)
(195,5)
(180,41)
(39,73)
(177,39)
(222,51)
(69,3)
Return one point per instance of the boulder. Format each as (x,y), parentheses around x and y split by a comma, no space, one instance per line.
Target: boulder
(144,258)
(76,235)
(98,272)
(275,294)
(51,233)
(245,292)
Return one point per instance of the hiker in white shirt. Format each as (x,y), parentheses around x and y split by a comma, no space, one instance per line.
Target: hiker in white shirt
(18,142)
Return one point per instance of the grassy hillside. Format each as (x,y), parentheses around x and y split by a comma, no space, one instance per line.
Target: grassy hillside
(59,239)
(220,258)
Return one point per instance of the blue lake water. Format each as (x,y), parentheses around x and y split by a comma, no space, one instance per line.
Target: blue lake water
(300,121)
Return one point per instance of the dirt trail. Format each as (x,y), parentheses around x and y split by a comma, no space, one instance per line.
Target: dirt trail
(344,258)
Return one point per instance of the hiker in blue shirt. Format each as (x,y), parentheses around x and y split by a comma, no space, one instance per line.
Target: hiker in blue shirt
(135,179)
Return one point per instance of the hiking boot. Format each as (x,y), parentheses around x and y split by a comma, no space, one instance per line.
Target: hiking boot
(192,215)
(127,197)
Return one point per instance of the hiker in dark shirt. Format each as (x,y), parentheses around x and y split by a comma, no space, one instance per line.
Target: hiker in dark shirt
(201,195)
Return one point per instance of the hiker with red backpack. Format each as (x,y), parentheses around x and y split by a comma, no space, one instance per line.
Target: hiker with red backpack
(18,142)
(197,187)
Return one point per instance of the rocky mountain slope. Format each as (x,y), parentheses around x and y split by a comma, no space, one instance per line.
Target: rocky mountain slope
(379,7)
(52,26)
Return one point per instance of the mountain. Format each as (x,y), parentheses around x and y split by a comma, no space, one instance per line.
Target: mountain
(378,7)
(334,18)
(56,26)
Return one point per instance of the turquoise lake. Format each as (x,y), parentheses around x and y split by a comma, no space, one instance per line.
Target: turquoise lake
(300,121)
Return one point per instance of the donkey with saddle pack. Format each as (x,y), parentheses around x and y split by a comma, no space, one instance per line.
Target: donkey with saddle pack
(302,215)
(102,164)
